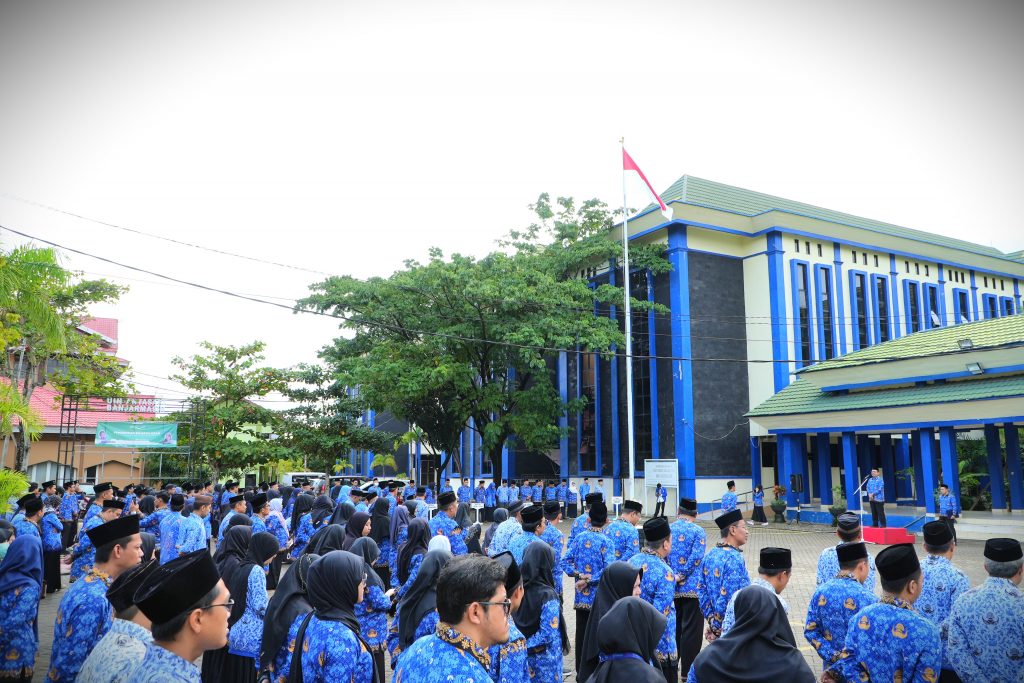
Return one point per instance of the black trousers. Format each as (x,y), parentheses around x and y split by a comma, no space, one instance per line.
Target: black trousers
(572,511)
(689,632)
(670,671)
(582,617)
(51,570)
(951,523)
(659,509)
(877,513)
(67,534)
(949,676)
(488,514)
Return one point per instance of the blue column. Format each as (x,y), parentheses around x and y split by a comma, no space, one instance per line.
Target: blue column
(894,295)
(996,476)
(848,442)
(942,297)
(755,461)
(915,451)
(682,370)
(563,418)
(777,300)
(419,460)
(928,468)
(841,321)
(1016,295)
(506,472)
(1013,468)
(823,467)
(888,466)
(790,447)
(803,469)
(950,467)
(904,484)
(974,298)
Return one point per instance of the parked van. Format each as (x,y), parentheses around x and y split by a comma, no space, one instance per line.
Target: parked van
(315,478)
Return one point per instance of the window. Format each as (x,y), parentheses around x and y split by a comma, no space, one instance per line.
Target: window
(796,245)
(1002,285)
(906,265)
(961,307)
(876,260)
(926,270)
(802,322)
(1006,303)
(859,303)
(881,306)
(989,306)
(854,256)
(864,259)
(90,474)
(932,313)
(825,329)
(917,269)
(819,251)
(912,297)
(588,417)
(807,248)
(986,280)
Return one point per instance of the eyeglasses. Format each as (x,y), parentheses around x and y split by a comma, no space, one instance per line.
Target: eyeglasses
(229,604)
(506,605)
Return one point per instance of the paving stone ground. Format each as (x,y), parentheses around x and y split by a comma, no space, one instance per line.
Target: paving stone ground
(806,541)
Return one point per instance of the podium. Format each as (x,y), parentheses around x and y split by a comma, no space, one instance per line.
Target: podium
(887,535)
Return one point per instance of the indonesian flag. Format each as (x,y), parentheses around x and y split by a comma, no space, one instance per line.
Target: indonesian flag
(629,165)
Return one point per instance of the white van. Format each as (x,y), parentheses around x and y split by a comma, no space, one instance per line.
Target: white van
(315,478)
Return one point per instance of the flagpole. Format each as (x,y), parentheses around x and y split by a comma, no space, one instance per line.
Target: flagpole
(627,309)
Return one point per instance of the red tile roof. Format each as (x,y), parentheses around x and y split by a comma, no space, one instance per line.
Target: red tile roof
(105,326)
(46,401)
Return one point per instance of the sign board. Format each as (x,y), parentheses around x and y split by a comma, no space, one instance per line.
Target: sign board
(662,471)
(137,434)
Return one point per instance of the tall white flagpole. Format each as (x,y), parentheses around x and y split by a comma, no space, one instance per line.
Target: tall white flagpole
(627,309)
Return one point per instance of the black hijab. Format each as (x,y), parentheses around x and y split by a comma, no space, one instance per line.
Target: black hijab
(322,509)
(538,569)
(381,521)
(326,539)
(148,545)
(286,495)
(147,505)
(239,519)
(759,647)
(287,602)
(342,512)
(617,582)
(354,528)
(303,504)
(632,627)
(262,547)
(399,519)
(368,549)
(500,515)
(422,596)
(232,550)
(462,516)
(419,537)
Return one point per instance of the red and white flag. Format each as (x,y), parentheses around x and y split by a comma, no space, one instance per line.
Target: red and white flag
(629,165)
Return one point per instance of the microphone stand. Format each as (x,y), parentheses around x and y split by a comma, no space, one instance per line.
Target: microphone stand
(860,490)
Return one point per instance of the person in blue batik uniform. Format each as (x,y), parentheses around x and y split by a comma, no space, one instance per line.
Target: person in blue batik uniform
(773,574)
(170,529)
(502,494)
(302,524)
(876,498)
(539,616)
(480,492)
(398,534)
(237,506)
(409,556)
(372,610)
(83,555)
(848,531)
(85,614)
(942,583)
(513,492)
(533,526)
(21,584)
(446,487)
(103,492)
(689,543)
(129,499)
(151,522)
(526,491)
(507,530)
(584,490)
(490,501)
(661,497)
(890,641)
(623,533)
(586,558)
(836,601)
(562,492)
(248,586)
(658,587)
(443,523)
(729,497)
(627,640)
(124,645)
(191,534)
(723,572)
(758,514)
(416,616)
(465,492)
(508,659)
(550,491)
(554,538)
(26,522)
(986,627)
(51,530)
(260,512)
(473,618)
(949,509)
(582,522)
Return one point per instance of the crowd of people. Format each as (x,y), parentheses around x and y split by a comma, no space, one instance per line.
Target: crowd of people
(284,584)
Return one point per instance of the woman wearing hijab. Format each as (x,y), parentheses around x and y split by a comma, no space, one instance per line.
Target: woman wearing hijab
(471,530)
(627,637)
(380,532)
(302,524)
(372,611)
(248,586)
(288,604)
(539,616)
(331,537)
(21,583)
(231,552)
(500,515)
(147,505)
(343,511)
(398,534)
(287,500)
(759,647)
(148,545)
(417,611)
(276,525)
(619,580)
(410,555)
(325,644)
(358,526)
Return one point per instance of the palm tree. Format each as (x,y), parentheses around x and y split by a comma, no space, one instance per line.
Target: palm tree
(27,277)
(382,460)
(16,412)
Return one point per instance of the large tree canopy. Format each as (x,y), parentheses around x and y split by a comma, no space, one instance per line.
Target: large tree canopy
(458,341)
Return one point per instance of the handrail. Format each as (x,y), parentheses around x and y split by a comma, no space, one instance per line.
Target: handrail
(906,526)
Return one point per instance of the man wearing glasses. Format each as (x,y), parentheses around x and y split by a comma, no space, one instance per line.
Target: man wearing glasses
(473,607)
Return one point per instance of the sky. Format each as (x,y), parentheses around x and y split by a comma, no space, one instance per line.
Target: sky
(344,137)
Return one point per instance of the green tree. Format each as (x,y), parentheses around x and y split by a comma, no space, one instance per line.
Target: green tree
(460,340)
(236,432)
(325,424)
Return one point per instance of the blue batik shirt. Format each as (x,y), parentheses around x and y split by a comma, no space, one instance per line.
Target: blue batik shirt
(571,497)
(119,651)
(68,507)
(889,641)
(538,492)
(162,665)
(551,493)
(465,494)
(422,510)
(722,574)
(832,606)
(948,505)
(52,529)
(728,501)
(941,585)
(372,614)
(441,523)
(985,633)
(625,539)
(244,637)
(584,491)
(429,496)
(169,529)
(23,527)
(554,538)
(560,492)
(128,501)
(403,536)
(689,543)
(91,511)
(479,495)
(503,494)
(589,553)
(876,488)
(658,587)
(730,610)
(490,496)
(508,660)
(83,617)
(191,535)
(84,554)
(579,525)
(223,528)
(503,536)
(759,498)
(303,533)
(330,652)
(544,648)
(828,568)
(526,491)
(517,546)
(19,608)
(662,494)
(447,656)
(513,493)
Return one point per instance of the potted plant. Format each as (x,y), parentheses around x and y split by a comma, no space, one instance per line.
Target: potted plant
(838,505)
(779,504)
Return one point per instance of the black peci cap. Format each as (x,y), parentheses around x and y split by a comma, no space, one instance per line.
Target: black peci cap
(552,509)
(776,558)
(728,519)
(121,593)
(850,552)
(174,587)
(100,488)
(897,562)
(421,490)
(33,505)
(235,500)
(113,530)
(849,521)
(258,501)
(513,577)
(533,514)
(937,532)
(656,529)
(48,484)
(688,506)
(632,506)
(445,499)
(515,507)
(177,499)
(598,513)
(113,503)
(1003,549)
(591,498)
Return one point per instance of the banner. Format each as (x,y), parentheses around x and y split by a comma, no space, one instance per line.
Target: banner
(137,434)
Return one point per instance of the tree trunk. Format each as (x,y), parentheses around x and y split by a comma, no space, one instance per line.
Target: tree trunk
(21,448)
(494,455)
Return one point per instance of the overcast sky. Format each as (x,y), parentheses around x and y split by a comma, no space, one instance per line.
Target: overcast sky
(346,137)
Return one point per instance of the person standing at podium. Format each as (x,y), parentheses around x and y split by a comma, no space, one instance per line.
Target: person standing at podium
(876,497)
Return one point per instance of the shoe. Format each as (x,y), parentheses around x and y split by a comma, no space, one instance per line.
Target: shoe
(764,523)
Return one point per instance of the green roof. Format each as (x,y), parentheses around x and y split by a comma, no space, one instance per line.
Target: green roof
(802,396)
(984,334)
(699,192)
